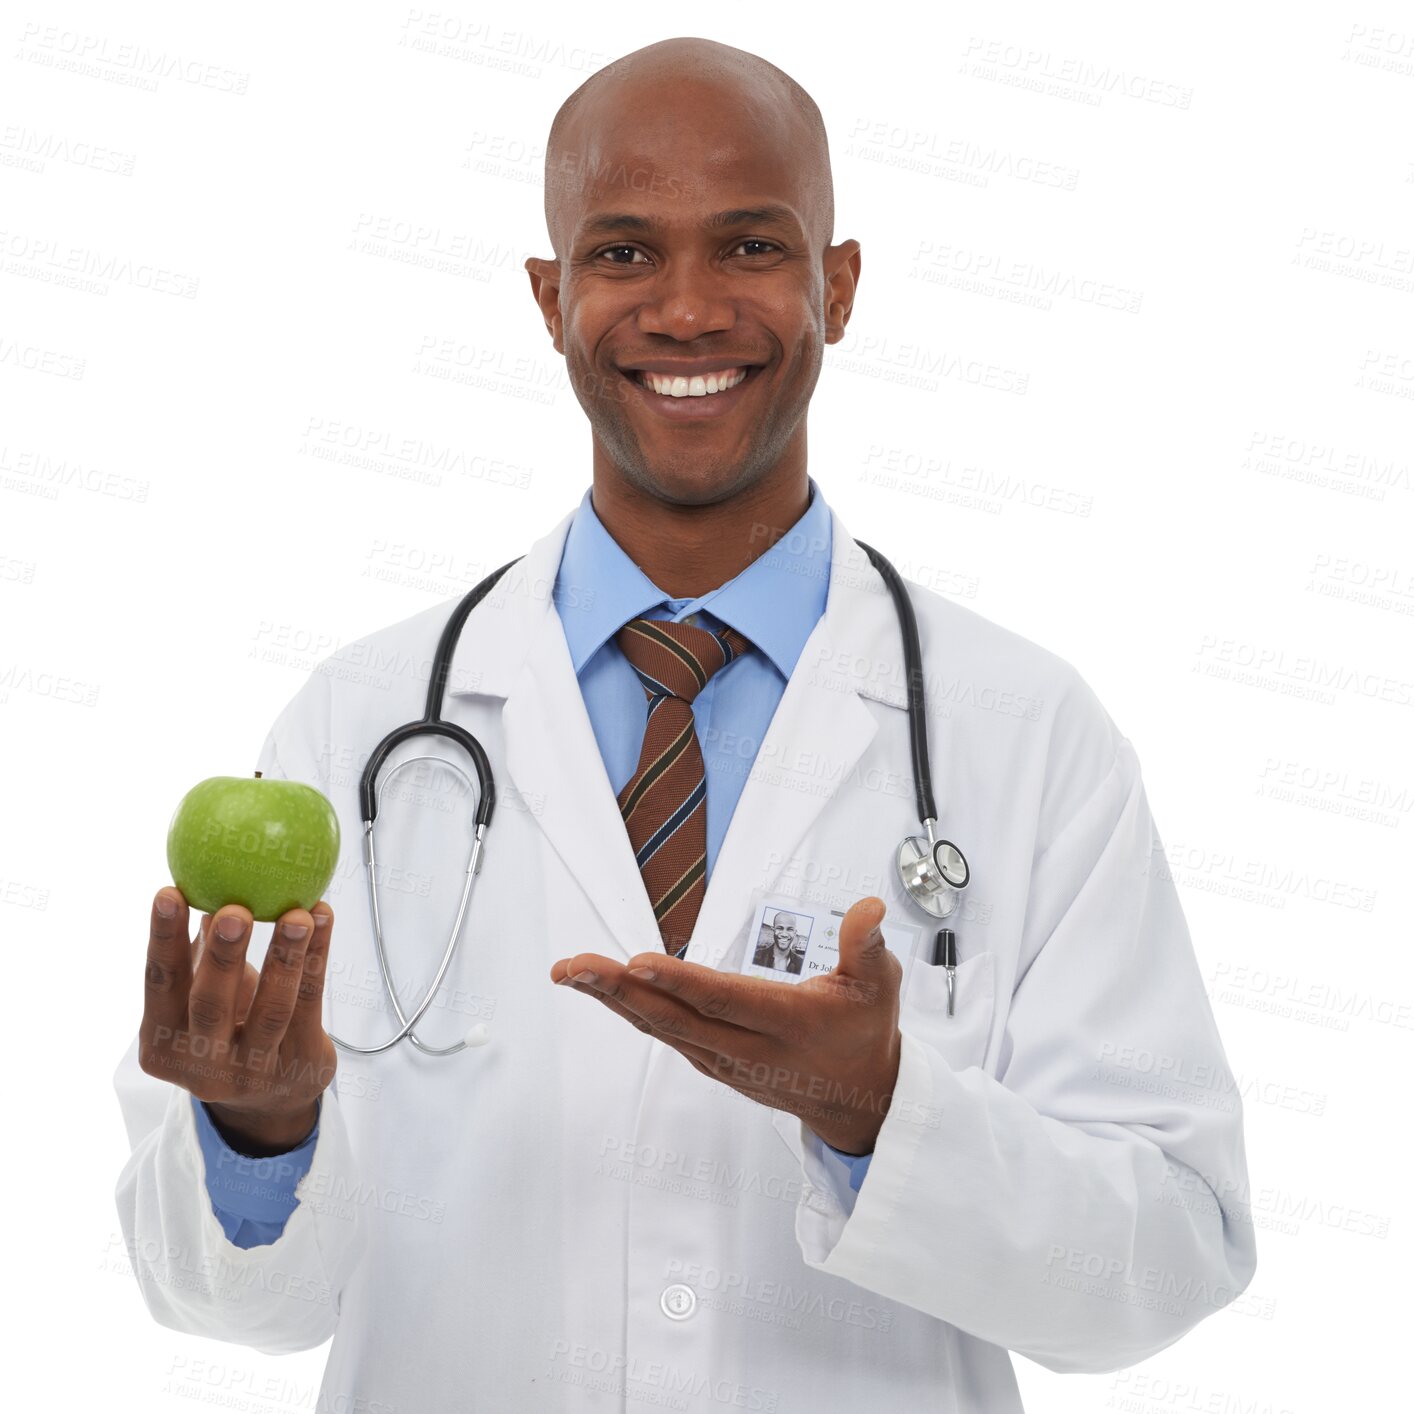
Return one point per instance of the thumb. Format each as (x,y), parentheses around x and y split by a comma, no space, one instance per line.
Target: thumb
(863,952)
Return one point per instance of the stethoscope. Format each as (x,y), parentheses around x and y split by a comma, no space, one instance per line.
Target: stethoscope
(932,870)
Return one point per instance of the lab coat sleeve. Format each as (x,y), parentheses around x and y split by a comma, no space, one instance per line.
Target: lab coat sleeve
(1069,1208)
(279,1297)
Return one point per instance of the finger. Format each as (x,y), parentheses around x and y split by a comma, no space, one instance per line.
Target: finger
(708,1057)
(250,979)
(273,1006)
(863,952)
(245,994)
(307,1025)
(667,1016)
(579,963)
(198,942)
(751,1003)
(211,1006)
(168,975)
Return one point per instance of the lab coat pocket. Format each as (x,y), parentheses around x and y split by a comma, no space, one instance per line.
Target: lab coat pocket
(961,1039)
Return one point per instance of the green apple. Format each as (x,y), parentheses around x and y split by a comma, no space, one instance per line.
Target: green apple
(270,845)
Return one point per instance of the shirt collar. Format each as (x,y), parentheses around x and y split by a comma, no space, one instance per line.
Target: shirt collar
(775,601)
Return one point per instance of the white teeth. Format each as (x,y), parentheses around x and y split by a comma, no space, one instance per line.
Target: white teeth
(696,387)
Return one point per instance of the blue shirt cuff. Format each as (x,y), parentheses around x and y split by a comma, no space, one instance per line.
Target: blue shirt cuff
(257,1191)
(858,1165)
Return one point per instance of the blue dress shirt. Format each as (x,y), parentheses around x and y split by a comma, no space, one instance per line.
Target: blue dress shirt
(252,1198)
(775,602)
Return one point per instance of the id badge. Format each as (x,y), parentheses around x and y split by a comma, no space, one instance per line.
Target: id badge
(791,939)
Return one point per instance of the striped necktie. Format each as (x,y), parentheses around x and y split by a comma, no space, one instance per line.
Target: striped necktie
(664,803)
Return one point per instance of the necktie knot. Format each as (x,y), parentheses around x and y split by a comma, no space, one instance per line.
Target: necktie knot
(676,659)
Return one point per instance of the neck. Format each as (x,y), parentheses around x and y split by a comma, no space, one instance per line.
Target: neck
(690,550)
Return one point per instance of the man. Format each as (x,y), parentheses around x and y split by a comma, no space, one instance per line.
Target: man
(783,951)
(657,1163)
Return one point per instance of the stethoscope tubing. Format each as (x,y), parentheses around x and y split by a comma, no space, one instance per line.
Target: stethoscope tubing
(913,671)
(431,724)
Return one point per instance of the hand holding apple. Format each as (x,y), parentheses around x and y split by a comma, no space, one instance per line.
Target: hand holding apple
(249,1044)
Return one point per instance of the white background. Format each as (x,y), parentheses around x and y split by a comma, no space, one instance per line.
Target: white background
(1186,469)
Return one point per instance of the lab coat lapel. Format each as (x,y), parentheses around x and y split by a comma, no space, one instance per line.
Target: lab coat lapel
(806,761)
(553,757)
(513,646)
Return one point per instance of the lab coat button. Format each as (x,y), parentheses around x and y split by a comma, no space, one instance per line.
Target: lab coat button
(678,1302)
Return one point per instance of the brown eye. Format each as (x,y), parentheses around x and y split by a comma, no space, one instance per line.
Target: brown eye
(632,250)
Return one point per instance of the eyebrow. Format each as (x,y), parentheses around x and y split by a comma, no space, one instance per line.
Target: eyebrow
(768,215)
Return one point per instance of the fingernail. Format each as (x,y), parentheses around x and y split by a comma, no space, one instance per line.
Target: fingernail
(586,979)
(166,905)
(646,973)
(230,927)
(294,931)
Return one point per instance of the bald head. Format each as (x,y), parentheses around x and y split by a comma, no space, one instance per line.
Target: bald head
(626,108)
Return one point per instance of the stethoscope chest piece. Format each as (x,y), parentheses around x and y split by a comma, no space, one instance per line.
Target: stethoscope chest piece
(932,873)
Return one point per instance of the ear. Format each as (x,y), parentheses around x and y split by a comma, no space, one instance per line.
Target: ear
(841,264)
(545,287)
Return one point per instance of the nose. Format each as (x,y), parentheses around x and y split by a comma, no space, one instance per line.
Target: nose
(686,300)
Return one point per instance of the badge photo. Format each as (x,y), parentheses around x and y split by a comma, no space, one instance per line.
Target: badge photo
(789,940)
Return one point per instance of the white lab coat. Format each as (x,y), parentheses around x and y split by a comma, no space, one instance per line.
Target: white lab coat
(496,1231)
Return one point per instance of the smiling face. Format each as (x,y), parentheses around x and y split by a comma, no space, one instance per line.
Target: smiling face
(784,929)
(694,289)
